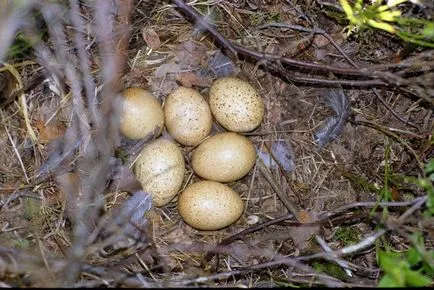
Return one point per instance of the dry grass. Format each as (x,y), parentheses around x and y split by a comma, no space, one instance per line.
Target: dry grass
(60,147)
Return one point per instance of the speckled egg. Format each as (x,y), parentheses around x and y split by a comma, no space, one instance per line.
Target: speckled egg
(224,157)
(209,205)
(235,104)
(187,116)
(160,169)
(141,114)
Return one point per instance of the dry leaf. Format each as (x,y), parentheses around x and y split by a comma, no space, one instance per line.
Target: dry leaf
(151,38)
(167,68)
(191,55)
(320,41)
(302,235)
(52,131)
(189,79)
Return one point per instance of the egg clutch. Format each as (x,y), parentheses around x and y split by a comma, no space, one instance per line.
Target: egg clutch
(224,157)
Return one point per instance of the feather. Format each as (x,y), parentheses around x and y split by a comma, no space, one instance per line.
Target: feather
(336,100)
(282,151)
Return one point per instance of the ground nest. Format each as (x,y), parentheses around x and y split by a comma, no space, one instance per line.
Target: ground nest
(364,194)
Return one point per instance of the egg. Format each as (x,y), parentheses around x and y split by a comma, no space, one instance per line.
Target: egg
(235,104)
(160,169)
(141,114)
(224,157)
(187,116)
(209,205)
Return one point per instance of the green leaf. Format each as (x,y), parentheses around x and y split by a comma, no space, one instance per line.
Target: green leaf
(429,167)
(413,256)
(428,31)
(347,9)
(388,260)
(388,281)
(416,279)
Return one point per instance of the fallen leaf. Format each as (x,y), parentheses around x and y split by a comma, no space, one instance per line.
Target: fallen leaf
(191,55)
(305,217)
(189,79)
(52,131)
(151,38)
(167,68)
(320,41)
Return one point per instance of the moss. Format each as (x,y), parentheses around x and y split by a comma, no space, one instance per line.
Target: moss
(359,183)
(31,208)
(330,268)
(256,19)
(348,235)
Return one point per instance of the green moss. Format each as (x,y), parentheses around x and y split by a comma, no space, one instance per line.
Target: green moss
(256,19)
(348,235)
(330,268)
(31,208)
(274,17)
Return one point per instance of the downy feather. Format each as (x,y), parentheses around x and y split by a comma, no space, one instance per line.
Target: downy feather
(336,100)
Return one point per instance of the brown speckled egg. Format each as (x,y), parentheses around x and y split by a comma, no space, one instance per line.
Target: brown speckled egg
(187,116)
(160,169)
(236,104)
(224,157)
(209,205)
(141,114)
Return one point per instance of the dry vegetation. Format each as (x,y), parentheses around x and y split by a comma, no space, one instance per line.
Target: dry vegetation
(64,168)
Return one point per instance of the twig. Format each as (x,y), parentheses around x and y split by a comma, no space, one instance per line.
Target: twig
(291,206)
(343,208)
(274,62)
(327,280)
(319,31)
(347,250)
(369,240)
(340,262)
(387,132)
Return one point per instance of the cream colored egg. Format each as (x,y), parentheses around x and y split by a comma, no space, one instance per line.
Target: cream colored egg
(187,116)
(141,114)
(160,169)
(209,205)
(224,157)
(235,104)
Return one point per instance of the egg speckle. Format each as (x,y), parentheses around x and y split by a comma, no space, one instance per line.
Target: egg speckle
(187,116)
(160,168)
(224,157)
(209,205)
(236,105)
(141,114)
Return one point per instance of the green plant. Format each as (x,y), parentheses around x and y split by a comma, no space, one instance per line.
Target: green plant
(389,18)
(414,267)
(329,268)
(348,235)
(411,268)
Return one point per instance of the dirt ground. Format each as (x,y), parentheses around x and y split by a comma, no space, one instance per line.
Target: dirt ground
(388,132)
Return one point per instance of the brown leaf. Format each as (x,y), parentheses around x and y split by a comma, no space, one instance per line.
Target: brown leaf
(320,41)
(189,79)
(302,235)
(191,55)
(305,217)
(52,131)
(151,38)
